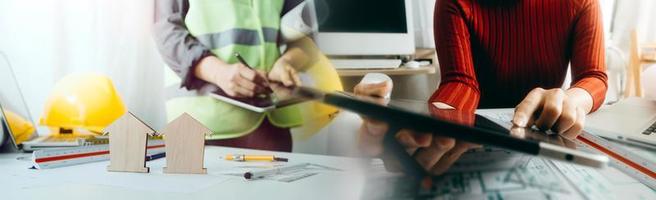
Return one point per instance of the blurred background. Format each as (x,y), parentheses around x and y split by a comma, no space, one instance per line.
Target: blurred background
(45,40)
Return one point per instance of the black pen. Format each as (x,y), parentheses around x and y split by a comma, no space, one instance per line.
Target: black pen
(156,156)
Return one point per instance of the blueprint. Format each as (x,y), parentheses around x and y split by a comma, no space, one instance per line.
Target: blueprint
(532,178)
(496,174)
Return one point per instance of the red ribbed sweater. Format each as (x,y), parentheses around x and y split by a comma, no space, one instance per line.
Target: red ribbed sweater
(493,52)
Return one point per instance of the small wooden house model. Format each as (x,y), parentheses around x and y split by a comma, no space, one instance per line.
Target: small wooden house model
(184,139)
(128,137)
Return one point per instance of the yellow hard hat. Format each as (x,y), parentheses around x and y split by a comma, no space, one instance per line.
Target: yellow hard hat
(323,77)
(87,101)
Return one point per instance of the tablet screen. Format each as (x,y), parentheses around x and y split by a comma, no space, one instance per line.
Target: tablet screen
(474,120)
(260,101)
(465,127)
(497,137)
(423,118)
(280,96)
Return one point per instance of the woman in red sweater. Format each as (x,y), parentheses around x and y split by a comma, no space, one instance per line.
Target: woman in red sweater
(514,53)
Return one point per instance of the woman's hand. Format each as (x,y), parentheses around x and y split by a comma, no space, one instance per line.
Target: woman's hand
(436,154)
(285,73)
(561,111)
(236,80)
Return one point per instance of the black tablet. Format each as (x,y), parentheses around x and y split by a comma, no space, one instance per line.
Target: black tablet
(420,117)
(278,98)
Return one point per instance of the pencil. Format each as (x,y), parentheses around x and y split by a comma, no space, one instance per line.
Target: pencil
(243,157)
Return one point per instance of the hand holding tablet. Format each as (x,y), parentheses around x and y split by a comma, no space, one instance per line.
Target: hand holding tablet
(416,116)
(434,153)
(274,95)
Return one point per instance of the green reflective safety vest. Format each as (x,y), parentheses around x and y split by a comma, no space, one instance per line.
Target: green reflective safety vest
(248,27)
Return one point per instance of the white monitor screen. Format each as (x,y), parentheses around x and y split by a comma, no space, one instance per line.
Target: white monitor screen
(361,16)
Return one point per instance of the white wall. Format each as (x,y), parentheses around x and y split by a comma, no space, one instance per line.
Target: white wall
(423,16)
(640,15)
(23,40)
(47,39)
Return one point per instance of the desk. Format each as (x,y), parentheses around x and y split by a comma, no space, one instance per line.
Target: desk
(420,53)
(19,182)
(476,175)
(430,69)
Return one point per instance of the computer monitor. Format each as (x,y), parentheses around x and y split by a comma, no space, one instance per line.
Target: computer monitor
(364,27)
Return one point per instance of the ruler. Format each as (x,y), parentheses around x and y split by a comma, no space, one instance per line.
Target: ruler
(626,161)
(60,157)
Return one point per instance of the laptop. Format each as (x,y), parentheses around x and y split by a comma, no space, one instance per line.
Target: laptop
(7,142)
(632,120)
(12,102)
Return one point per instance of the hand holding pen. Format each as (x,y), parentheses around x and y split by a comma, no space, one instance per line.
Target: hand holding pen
(282,72)
(235,80)
(261,76)
(260,79)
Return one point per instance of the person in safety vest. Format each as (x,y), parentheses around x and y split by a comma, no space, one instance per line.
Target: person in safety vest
(198,40)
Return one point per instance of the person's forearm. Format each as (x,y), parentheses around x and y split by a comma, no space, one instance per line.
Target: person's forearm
(577,95)
(581,98)
(208,68)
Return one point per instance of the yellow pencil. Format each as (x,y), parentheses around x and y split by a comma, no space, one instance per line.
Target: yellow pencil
(243,158)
